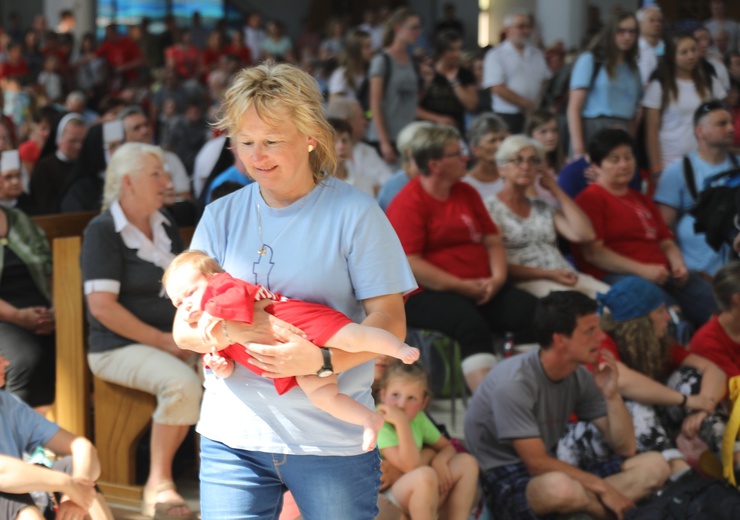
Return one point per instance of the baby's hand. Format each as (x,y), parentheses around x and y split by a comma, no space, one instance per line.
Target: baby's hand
(221,366)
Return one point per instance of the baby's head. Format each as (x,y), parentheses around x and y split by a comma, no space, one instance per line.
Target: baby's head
(186,278)
(405,387)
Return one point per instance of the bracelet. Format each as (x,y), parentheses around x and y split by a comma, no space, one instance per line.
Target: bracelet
(225,332)
(684,401)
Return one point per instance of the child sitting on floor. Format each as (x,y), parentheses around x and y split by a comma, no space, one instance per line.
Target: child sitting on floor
(202,292)
(434,479)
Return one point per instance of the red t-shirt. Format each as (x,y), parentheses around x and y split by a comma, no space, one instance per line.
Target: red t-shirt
(230,298)
(210,57)
(186,60)
(16,70)
(678,354)
(712,342)
(448,234)
(243,54)
(120,52)
(629,224)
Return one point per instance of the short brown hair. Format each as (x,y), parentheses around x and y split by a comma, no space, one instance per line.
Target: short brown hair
(198,260)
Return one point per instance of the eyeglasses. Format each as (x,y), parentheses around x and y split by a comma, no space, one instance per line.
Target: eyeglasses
(520,161)
(459,153)
(626,30)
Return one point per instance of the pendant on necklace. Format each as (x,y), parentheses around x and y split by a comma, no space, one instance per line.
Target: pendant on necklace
(262,251)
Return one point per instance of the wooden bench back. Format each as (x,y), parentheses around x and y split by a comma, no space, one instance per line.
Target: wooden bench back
(72,409)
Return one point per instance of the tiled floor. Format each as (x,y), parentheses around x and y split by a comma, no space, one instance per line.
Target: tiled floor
(187,484)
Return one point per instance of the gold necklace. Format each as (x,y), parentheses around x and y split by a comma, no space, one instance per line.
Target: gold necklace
(262,251)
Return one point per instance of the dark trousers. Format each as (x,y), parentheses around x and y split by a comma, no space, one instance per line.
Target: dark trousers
(515,122)
(472,325)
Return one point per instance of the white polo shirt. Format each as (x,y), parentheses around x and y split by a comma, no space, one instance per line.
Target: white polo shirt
(647,59)
(522,73)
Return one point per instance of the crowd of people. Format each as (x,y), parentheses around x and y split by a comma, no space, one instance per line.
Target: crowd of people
(407,184)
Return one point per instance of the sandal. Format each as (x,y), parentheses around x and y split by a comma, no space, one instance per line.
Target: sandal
(161,510)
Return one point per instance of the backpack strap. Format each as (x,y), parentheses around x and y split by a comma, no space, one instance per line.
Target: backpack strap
(688,177)
(388,62)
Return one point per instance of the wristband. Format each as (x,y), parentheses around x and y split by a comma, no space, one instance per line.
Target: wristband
(684,401)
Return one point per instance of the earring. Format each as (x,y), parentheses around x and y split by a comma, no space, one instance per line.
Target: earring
(310,148)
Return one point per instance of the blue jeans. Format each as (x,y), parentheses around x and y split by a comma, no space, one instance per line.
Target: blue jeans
(695,297)
(250,484)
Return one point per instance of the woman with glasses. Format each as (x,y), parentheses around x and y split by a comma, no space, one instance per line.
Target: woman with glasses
(605,85)
(456,254)
(631,236)
(676,89)
(529,226)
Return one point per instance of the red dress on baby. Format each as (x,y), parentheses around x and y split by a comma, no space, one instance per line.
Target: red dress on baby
(230,298)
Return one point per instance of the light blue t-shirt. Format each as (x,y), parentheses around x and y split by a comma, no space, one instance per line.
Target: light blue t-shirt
(22,429)
(335,247)
(391,188)
(611,97)
(672,191)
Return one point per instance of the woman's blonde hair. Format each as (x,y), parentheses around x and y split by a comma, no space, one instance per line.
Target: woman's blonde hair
(638,345)
(280,93)
(126,160)
(197,259)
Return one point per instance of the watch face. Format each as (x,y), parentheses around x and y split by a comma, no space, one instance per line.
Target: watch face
(324,372)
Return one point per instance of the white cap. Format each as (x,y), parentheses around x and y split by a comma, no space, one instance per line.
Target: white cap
(112,131)
(10,160)
(65,121)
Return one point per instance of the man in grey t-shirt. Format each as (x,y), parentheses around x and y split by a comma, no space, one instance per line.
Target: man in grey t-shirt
(522,407)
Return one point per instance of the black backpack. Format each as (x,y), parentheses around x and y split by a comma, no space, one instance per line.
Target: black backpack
(692,497)
(717,207)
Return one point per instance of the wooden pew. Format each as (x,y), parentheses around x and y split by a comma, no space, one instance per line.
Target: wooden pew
(121,415)
(72,403)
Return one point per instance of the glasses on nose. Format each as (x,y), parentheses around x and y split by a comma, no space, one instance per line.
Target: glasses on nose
(521,161)
(626,30)
(459,153)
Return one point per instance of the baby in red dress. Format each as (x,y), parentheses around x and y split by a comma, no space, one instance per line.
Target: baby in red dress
(203,293)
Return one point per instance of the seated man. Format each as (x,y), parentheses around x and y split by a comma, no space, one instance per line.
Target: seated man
(522,407)
(714,130)
(72,478)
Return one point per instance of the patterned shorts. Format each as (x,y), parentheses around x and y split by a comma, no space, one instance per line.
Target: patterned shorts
(505,488)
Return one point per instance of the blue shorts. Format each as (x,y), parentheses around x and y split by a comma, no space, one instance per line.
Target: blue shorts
(505,488)
(242,484)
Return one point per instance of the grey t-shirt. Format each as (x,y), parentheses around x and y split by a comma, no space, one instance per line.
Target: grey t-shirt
(517,400)
(400,98)
(105,257)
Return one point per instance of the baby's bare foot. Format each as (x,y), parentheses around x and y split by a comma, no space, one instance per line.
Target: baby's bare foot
(370,433)
(407,354)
